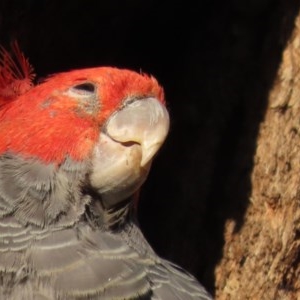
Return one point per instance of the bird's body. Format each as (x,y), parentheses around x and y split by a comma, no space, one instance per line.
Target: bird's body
(87,262)
(73,152)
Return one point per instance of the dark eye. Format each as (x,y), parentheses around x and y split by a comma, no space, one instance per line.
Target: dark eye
(83,89)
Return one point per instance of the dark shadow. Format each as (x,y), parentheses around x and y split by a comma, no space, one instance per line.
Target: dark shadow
(217,61)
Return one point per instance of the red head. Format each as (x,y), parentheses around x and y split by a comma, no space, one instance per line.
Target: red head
(63,115)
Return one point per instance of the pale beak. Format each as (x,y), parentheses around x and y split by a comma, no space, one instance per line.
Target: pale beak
(145,122)
(127,144)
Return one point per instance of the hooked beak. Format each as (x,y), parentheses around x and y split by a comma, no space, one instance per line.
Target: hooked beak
(145,122)
(127,144)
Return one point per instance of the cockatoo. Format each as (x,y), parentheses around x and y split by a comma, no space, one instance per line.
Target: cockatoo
(74,150)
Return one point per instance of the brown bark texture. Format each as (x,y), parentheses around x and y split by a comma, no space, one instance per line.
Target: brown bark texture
(261,260)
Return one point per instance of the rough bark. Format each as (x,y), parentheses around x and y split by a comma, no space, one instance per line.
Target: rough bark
(261,260)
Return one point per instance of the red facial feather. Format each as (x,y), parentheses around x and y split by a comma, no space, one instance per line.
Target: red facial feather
(48,123)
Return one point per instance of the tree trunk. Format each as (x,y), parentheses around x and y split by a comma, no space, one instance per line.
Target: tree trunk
(261,260)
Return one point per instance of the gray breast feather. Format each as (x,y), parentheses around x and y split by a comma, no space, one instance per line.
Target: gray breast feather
(86,263)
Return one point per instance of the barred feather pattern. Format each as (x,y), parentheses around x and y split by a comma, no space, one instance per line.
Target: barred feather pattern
(59,247)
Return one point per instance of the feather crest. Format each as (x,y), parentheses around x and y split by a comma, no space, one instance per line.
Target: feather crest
(16,73)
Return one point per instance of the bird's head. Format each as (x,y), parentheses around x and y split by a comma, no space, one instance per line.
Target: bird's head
(113,119)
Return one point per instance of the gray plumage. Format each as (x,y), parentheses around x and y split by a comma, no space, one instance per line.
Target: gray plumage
(58,241)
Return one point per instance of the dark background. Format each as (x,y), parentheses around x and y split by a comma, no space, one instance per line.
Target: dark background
(216,60)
